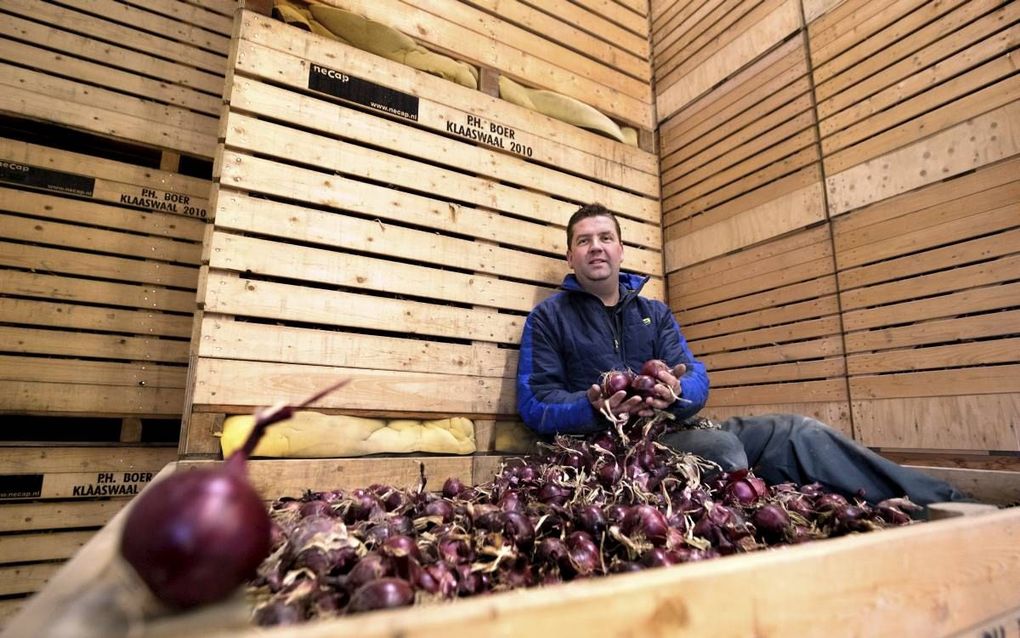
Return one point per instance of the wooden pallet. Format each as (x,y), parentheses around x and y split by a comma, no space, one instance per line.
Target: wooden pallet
(402,251)
(99,267)
(151,75)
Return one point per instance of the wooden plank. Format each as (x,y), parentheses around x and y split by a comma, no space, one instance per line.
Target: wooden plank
(269,139)
(973,380)
(170,28)
(24,548)
(635,44)
(770,354)
(964,302)
(980,140)
(111,459)
(987,486)
(768,32)
(225,339)
(100,292)
(835,414)
(94,400)
(247,384)
(23,517)
(994,324)
(811,270)
(25,579)
(853,23)
(91,372)
(810,309)
(72,262)
(190,14)
(286,302)
(815,9)
(9,608)
(778,373)
(259,31)
(948,356)
(263,257)
(62,315)
(831,390)
(957,421)
(805,291)
(83,344)
(822,327)
(628,13)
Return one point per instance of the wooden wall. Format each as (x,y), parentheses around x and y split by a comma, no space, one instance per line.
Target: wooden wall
(840,211)
(400,250)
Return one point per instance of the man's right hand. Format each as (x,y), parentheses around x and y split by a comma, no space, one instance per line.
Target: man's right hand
(618,404)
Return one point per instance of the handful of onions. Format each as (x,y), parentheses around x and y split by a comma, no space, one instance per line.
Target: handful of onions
(196,536)
(641,383)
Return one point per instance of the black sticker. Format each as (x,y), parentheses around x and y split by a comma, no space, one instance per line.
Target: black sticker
(25,175)
(20,486)
(347,87)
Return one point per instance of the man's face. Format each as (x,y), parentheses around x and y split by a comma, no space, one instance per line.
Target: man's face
(595,252)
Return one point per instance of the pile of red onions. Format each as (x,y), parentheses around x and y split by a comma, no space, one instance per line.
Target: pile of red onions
(582,508)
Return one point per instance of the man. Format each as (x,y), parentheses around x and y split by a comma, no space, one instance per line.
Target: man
(599,322)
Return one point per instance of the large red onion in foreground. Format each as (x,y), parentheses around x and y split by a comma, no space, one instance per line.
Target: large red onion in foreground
(196,536)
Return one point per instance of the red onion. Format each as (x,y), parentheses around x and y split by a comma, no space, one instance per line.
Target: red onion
(615,381)
(385,593)
(194,537)
(645,521)
(653,367)
(772,521)
(643,385)
(452,487)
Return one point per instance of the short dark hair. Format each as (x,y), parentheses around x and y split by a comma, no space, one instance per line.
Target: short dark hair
(590,210)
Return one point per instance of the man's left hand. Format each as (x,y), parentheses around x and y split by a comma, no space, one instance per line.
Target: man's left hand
(665,392)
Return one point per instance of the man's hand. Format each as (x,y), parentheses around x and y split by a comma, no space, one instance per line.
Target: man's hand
(618,404)
(666,391)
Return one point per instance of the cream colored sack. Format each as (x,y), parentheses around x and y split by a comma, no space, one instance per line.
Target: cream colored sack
(315,435)
(391,44)
(297,14)
(560,107)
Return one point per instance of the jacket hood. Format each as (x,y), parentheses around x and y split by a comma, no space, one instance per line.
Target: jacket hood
(630,282)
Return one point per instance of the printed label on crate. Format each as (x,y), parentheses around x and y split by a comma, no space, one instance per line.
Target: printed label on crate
(113,484)
(489,133)
(51,180)
(20,486)
(353,89)
(166,201)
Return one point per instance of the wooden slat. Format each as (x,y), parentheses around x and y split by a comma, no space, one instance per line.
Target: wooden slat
(224,339)
(973,380)
(71,262)
(91,372)
(70,289)
(31,460)
(949,356)
(204,17)
(284,302)
(25,579)
(765,336)
(247,384)
(835,414)
(22,517)
(72,316)
(778,373)
(801,350)
(806,391)
(635,44)
(771,315)
(171,28)
(276,259)
(95,400)
(24,548)
(954,421)
(994,324)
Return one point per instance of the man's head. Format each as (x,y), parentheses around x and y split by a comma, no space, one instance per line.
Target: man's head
(594,249)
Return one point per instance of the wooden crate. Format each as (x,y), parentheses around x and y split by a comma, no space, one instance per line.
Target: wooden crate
(400,250)
(765,321)
(955,577)
(150,73)
(594,51)
(99,266)
(53,500)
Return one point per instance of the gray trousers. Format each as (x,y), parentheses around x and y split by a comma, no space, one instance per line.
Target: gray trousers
(790,447)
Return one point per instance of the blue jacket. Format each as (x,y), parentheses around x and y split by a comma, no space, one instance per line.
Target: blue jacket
(570,339)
